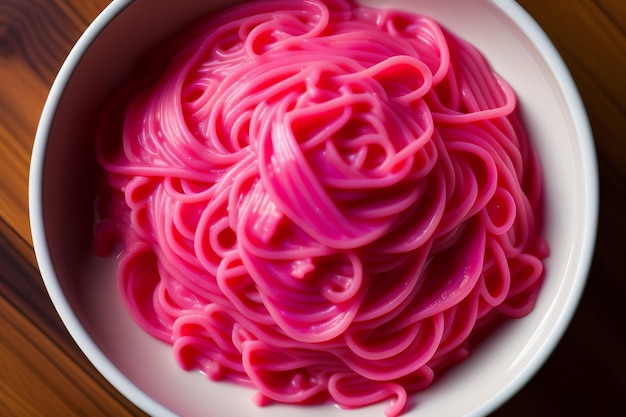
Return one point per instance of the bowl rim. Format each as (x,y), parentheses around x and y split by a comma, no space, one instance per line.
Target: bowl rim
(37,224)
(522,19)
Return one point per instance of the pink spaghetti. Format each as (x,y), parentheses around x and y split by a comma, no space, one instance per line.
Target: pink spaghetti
(322,201)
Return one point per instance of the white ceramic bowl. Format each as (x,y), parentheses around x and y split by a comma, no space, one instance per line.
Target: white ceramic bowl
(83,288)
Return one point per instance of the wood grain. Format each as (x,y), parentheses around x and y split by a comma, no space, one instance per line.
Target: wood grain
(43,373)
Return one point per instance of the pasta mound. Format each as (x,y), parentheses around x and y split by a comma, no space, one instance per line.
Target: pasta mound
(323,201)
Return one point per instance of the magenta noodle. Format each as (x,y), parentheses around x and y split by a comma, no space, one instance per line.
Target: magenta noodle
(322,201)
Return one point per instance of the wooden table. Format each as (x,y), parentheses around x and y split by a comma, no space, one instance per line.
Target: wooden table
(43,373)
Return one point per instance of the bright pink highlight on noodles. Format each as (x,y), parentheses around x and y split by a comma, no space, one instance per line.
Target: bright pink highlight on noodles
(323,201)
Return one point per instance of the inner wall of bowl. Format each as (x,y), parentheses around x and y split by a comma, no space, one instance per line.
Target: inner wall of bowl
(69,179)
(90,285)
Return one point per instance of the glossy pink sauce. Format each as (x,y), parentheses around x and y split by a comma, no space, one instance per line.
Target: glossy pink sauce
(322,201)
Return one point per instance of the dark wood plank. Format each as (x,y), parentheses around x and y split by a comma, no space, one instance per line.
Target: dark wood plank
(40,379)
